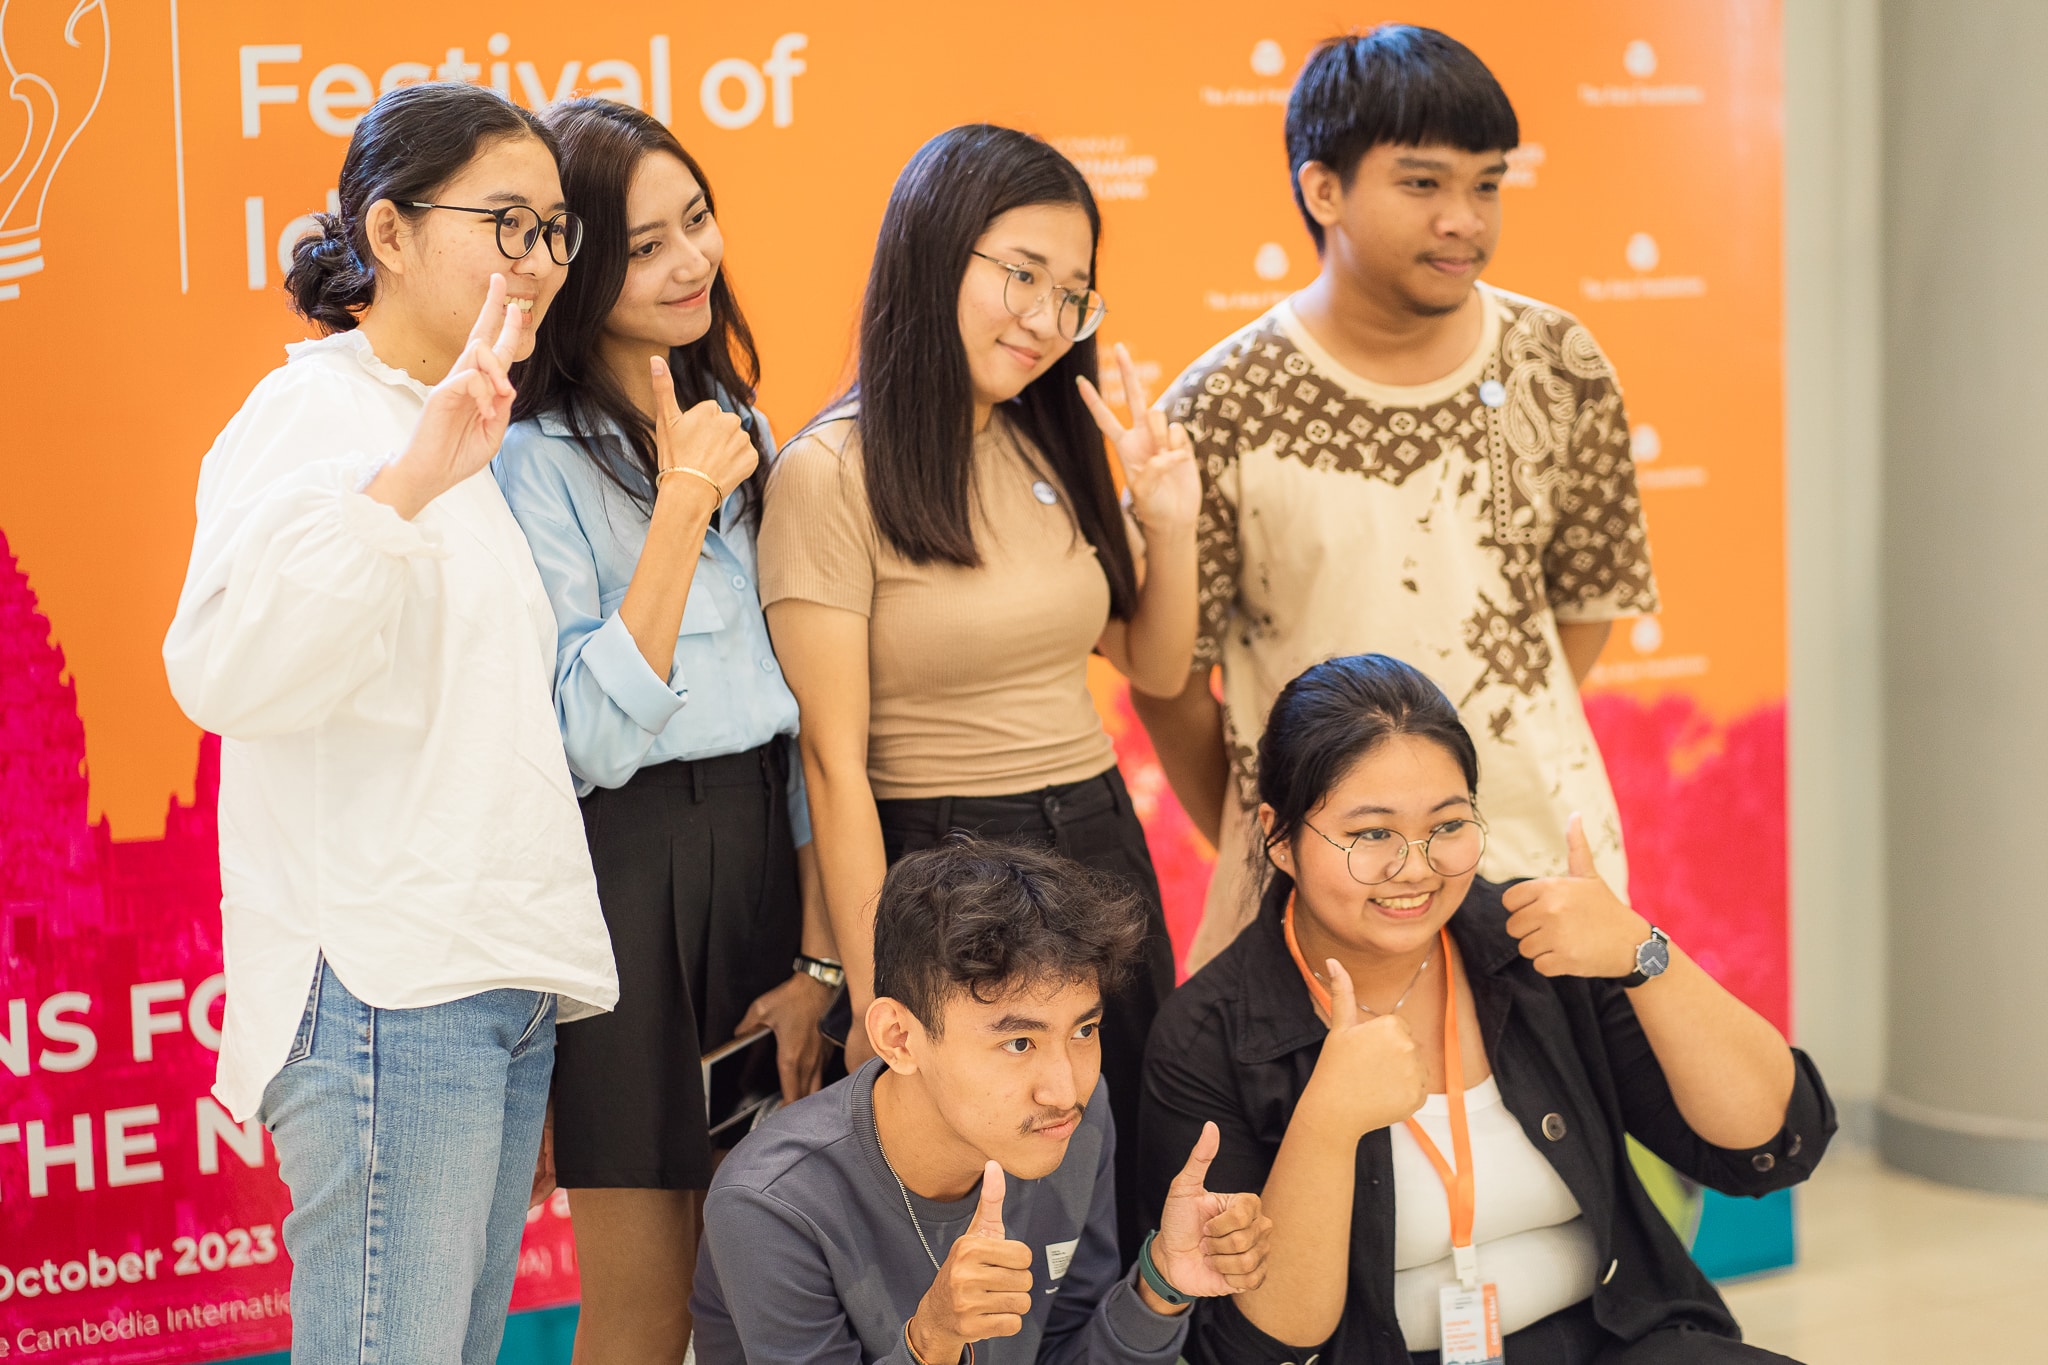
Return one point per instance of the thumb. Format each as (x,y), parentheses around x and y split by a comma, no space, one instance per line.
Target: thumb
(1343,996)
(1577,849)
(1191,1177)
(988,1215)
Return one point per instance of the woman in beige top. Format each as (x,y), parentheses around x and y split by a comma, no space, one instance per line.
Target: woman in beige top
(943,550)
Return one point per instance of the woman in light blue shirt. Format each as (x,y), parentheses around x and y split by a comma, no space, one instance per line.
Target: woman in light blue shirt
(634,471)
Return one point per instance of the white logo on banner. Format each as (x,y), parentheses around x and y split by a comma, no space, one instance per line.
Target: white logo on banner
(1639,60)
(1271,262)
(1646,445)
(1267,58)
(1643,255)
(1522,164)
(1113,170)
(55,53)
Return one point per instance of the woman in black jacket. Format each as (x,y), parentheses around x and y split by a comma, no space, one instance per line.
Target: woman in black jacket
(1430,1077)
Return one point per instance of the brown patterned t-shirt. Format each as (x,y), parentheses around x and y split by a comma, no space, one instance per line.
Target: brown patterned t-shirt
(1450,524)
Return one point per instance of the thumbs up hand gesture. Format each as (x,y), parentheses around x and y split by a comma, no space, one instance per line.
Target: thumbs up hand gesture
(983,1288)
(1210,1244)
(1574,925)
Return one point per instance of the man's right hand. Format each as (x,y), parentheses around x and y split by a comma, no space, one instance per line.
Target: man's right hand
(1370,1073)
(983,1289)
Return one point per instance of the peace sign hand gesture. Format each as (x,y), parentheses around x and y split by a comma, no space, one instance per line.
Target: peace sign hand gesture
(465,415)
(1158,458)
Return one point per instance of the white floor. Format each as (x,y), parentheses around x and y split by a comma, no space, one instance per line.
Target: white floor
(1897,1269)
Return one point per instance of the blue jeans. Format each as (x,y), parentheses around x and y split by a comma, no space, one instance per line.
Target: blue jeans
(408,1140)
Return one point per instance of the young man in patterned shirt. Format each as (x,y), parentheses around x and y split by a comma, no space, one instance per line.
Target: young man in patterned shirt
(1401,459)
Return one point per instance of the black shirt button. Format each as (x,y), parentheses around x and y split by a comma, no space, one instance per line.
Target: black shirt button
(1553,1126)
(1763,1161)
(1797,1143)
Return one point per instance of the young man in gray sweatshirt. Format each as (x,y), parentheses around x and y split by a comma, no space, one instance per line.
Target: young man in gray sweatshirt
(953,1200)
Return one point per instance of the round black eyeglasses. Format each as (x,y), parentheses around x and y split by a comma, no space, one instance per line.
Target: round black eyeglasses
(520,229)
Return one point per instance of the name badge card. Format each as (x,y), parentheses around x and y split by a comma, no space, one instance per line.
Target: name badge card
(1471,1325)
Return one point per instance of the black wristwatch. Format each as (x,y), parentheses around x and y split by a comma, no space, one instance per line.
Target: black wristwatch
(820,969)
(1653,955)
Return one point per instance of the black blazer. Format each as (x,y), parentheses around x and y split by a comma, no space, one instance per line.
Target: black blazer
(1236,1045)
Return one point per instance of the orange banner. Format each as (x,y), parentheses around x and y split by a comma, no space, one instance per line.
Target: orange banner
(160,159)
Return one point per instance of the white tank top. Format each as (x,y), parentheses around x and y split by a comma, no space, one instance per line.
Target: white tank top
(1532,1241)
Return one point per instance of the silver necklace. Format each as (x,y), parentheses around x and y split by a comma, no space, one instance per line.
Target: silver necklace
(1422,967)
(904,1190)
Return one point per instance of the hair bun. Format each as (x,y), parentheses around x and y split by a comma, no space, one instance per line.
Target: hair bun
(326,280)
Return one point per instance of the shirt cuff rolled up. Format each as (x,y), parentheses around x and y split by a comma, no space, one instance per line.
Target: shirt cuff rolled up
(615,661)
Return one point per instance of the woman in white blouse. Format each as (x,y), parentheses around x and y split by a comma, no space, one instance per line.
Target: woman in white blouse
(406,895)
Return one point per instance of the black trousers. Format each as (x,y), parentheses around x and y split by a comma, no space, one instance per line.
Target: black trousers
(696,873)
(1093,823)
(1571,1336)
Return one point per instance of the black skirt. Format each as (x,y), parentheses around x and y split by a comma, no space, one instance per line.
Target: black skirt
(696,873)
(1093,823)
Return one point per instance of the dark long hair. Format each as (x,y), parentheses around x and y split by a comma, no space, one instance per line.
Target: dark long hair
(602,144)
(411,142)
(1336,713)
(916,400)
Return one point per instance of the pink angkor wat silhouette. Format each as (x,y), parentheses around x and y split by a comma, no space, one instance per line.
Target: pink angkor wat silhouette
(68,891)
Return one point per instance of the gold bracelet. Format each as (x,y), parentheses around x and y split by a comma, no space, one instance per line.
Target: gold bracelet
(685,469)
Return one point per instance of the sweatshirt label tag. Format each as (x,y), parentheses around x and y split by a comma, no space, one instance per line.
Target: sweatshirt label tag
(1058,1256)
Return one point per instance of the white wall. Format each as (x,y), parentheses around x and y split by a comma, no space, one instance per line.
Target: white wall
(1833,402)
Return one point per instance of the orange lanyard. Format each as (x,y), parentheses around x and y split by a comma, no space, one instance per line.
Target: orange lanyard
(1457,1182)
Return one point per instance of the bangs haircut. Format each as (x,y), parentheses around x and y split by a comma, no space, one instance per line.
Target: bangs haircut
(991,919)
(1399,84)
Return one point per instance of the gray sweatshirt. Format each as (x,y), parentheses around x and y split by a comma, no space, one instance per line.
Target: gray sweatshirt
(809,1255)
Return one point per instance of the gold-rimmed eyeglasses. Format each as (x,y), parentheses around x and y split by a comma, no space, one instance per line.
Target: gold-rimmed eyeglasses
(521,228)
(1373,856)
(1030,287)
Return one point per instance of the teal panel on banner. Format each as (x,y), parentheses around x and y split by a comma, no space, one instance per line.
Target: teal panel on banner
(1745,1236)
(542,1337)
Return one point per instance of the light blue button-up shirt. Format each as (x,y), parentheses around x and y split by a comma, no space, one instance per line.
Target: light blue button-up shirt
(724,693)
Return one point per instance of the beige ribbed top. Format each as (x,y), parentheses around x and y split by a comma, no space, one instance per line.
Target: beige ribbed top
(978,678)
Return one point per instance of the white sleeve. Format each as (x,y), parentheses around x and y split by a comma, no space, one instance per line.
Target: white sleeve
(298,580)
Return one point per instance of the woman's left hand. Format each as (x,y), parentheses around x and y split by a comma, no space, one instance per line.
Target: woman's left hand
(544,1164)
(793,1010)
(1158,458)
(1574,925)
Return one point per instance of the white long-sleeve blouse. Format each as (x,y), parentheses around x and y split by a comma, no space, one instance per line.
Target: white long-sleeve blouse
(393,790)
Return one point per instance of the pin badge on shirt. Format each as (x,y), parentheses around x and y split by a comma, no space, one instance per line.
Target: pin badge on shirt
(1493,393)
(1044,492)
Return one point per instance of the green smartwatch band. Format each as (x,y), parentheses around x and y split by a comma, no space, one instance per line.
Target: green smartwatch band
(1150,1273)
